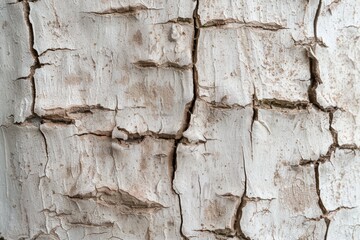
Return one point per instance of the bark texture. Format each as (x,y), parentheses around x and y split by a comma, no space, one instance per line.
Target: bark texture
(179,119)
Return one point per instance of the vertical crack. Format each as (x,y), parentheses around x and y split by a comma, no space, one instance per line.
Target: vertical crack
(255,104)
(324,211)
(36,64)
(238,215)
(239,211)
(33,52)
(237,226)
(334,136)
(174,166)
(316,18)
(190,107)
(315,81)
(315,76)
(46,150)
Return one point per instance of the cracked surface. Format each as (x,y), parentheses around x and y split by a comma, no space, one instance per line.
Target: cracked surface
(179,119)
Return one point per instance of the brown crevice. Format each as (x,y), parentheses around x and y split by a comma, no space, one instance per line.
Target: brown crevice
(133,136)
(38,120)
(334,136)
(258,199)
(243,23)
(316,18)
(57,119)
(129,141)
(55,213)
(255,117)
(308,42)
(239,211)
(340,208)
(315,76)
(30,75)
(278,103)
(221,105)
(179,20)
(117,197)
(20,1)
(33,51)
(315,82)
(54,50)
(189,107)
(152,64)
(92,225)
(324,211)
(46,150)
(349,147)
(97,134)
(128,10)
(61,115)
(226,232)
(76,109)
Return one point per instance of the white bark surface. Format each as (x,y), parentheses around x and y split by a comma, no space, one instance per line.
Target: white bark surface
(179,119)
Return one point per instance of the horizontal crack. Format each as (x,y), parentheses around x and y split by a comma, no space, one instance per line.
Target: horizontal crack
(132,9)
(128,136)
(227,232)
(92,225)
(223,22)
(54,50)
(96,133)
(117,197)
(269,103)
(151,64)
(179,20)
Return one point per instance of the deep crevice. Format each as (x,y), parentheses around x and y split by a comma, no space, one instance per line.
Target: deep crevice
(54,50)
(278,103)
(152,64)
(190,107)
(33,51)
(315,82)
(316,18)
(128,136)
(238,215)
(239,23)
(237,226)
(46,150)
(324,211)
(96,134)
(315,76)
(221,233)
(131,9)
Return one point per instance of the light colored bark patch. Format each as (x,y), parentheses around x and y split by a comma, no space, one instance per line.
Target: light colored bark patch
(236,62)
(23,160)
(282,193)
(340,192)
(210,181)
(338,28)
(129,184)
(138,61)
(15,62)
(347,124)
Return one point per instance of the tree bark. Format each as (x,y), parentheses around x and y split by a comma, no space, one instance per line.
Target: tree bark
(177,119)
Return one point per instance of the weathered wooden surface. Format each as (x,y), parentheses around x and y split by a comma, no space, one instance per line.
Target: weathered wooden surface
(179,119)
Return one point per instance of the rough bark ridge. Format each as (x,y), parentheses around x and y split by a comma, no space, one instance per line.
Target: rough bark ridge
(179,119)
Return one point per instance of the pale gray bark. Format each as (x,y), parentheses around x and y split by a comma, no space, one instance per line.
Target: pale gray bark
(179,119)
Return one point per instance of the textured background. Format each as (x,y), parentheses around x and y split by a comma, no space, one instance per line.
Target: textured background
(177,119)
